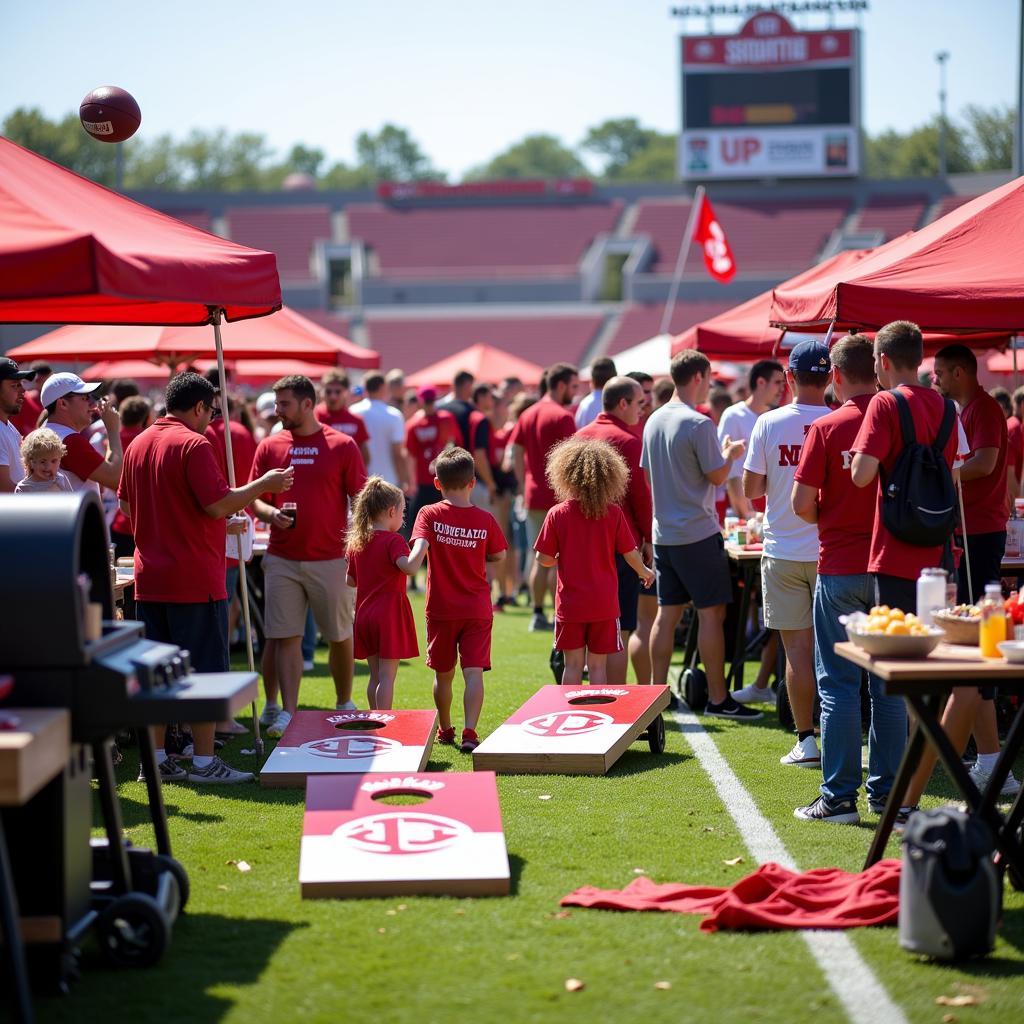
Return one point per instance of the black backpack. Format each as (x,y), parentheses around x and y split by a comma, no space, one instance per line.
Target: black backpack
(918,496)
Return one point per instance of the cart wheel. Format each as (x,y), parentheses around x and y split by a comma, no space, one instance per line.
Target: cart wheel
(133,931)
(783,708)
(177,869)
(694,686)
(656,735)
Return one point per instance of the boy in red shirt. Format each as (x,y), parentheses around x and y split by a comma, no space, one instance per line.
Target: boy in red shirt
(461,539)
(581,536)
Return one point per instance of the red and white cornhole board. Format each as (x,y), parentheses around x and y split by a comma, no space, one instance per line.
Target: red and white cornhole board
(569,730)
(452,844)
(332,742)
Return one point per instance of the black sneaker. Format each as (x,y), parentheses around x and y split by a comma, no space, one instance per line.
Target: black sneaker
(169,771)
(843,813)
(730,709)
(878,807)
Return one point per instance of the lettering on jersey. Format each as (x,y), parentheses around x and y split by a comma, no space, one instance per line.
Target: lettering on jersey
(847,459)
(300,454)
(458,536)
(789,454)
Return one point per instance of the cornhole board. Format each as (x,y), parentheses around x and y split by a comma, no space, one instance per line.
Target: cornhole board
(451,844)
(568,730)
(332,742)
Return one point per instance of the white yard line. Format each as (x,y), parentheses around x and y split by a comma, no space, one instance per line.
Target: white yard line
(862,995)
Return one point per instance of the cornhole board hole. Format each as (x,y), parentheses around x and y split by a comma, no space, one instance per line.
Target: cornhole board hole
(332,742)
(451,843)
(582,730)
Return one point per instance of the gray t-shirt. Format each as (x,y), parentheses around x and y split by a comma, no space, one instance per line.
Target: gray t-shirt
(680,446)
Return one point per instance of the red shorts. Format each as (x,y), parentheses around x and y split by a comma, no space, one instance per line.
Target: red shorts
(450,641)
(601,637)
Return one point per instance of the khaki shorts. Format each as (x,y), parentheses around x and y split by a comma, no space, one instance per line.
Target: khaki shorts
(788,590)
(534,521)
(481,497)
(289,586)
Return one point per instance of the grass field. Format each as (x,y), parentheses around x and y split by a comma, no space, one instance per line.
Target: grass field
(249,949)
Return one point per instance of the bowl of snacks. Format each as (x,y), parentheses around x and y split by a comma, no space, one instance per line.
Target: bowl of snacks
(891,633)
(960,624)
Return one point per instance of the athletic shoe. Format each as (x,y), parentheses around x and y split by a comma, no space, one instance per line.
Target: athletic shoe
(730,709)
(446,735)
(219,773)
(349,705)
(754,695)
(278,726)
(270,712)
(307,665)
(470,741)
(169,771)
(805,754)
(842,813)
(902,817)
(980,777)
(540,623)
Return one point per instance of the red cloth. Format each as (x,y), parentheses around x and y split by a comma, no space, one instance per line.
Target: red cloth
(499,441)
(588,582)
(1015,444)
(637,501)
(383,619)
(718,258)
(426,435)
(343,421)
(328,471)
(772,898)
(81,458)
(479,432)
(986,501)
(880,435)
(121,523)
(460,540)
(846,513)
(243,449)
(169,476)
(537,431)
(25,421)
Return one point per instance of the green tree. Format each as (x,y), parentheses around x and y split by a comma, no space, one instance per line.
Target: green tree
(916,154)
(990,133)
(153,164)
(657,161)
(620,141)
(536,156)
(65,142)
(392,154)
(216,160)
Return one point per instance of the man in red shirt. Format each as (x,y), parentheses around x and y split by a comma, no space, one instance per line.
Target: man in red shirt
(536,432)
(305,564)
(333,411)
(1015,442)
(824,494)
(177,499)
(427,433)
(621,401)
(485,491)
(136,414)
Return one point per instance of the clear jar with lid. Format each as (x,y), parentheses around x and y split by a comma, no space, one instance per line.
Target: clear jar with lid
(931,594)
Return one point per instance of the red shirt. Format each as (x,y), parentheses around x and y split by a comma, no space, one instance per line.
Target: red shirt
(328,471)
(170,474)
(460,540)
(26,420)
(588,582)
(479,432)
(426,435)
(986,502)
(1015,444)
(637,501)
(881,437)
(499,441)
(374,571)
(537,431)
(80,459)
(121,523)
(344,421)
(846,513)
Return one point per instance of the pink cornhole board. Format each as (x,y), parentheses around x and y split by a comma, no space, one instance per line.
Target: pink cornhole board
(354,845)
(571,730)
(330,742)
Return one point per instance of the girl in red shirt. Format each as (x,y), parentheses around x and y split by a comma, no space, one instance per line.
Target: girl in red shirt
(379,563)
(582,535)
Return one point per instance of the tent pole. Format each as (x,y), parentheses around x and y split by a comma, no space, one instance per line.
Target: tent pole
(684,250)
(242,580)
(1013,349)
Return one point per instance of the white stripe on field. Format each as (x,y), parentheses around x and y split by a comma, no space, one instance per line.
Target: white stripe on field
(862,995)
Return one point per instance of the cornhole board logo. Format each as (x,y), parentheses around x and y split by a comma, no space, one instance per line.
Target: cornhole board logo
(571,730)
(451,842)
(330,742)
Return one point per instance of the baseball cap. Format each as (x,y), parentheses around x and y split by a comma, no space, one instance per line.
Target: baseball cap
(265,403)
(810,357)
(60,385)
(427,394)
(9,370)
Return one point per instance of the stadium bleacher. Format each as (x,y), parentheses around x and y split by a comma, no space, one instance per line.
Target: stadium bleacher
(892,214)
(947,204)
(289,231)
(197,218)
(641,321)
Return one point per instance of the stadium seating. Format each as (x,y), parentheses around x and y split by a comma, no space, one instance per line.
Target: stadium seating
(892,214)
(197,218)
(642,321)
(288,231)
(947,204)
(478,242)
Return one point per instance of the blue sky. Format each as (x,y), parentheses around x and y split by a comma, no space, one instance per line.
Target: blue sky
(466,78)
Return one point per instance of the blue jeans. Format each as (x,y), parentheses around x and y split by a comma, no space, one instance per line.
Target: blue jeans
(839,688)
(309,637)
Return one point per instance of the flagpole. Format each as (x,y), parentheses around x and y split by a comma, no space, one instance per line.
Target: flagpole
(684,250)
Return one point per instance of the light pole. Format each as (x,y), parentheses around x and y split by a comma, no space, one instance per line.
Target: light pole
(942,57)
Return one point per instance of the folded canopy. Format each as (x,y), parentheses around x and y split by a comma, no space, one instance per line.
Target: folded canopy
(487,364)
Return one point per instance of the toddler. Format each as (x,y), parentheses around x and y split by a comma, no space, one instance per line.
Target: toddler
(41,451)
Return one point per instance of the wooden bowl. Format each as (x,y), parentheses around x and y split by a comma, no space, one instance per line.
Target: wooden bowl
(958,629)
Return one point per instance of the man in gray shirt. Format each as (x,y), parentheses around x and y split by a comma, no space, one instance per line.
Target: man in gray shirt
(685,463)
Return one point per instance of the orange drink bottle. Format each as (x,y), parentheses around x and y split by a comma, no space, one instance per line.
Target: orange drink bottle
(992,629)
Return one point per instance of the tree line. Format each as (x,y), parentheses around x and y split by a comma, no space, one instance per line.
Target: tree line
(981,139)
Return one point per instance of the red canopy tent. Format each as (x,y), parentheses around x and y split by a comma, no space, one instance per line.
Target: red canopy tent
(485,362)
(243,371)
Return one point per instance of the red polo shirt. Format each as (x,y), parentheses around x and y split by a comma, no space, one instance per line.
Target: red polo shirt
(537,431)
(986,503)
(344,421)
(426,436)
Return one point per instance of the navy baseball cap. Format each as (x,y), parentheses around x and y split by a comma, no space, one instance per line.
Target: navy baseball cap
(9,370)
(810,357)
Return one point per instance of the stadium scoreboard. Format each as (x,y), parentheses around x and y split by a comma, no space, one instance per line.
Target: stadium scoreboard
(770,102)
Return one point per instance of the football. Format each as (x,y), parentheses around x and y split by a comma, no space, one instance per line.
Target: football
(110,114)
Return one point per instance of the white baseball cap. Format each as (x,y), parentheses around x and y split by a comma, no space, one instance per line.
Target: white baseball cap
(265,403)
(60,385)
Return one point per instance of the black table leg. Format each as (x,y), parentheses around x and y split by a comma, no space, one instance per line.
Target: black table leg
(11,927)
(119,866)
(734,681)
(154,788)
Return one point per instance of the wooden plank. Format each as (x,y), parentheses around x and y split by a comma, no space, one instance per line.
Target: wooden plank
(738,554)
(32,752)
(354,845)
(355,742)
(951,662)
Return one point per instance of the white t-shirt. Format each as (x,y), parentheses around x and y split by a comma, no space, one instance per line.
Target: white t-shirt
(589,408)
(738,422)
(774,452)
(386,426)
(10,450)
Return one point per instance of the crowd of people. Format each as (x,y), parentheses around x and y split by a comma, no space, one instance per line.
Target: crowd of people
(613,504)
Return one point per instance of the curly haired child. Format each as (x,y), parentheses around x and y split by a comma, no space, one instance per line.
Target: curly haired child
(41,451)
(379,565)
(581,536)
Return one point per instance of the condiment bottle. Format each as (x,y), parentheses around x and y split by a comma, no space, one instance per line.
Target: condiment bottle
(992,629)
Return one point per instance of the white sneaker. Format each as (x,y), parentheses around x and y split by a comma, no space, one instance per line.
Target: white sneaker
(278,726)
(307,666)
(270,712)
(754,695)
(805,754)
(980,777)
(349,705)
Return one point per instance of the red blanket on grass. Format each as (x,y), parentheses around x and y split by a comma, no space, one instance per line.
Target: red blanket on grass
(773,897)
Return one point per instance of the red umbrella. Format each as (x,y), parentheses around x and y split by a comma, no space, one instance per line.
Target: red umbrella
(485,362)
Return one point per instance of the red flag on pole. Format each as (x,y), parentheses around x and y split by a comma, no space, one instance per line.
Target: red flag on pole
(717,252)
